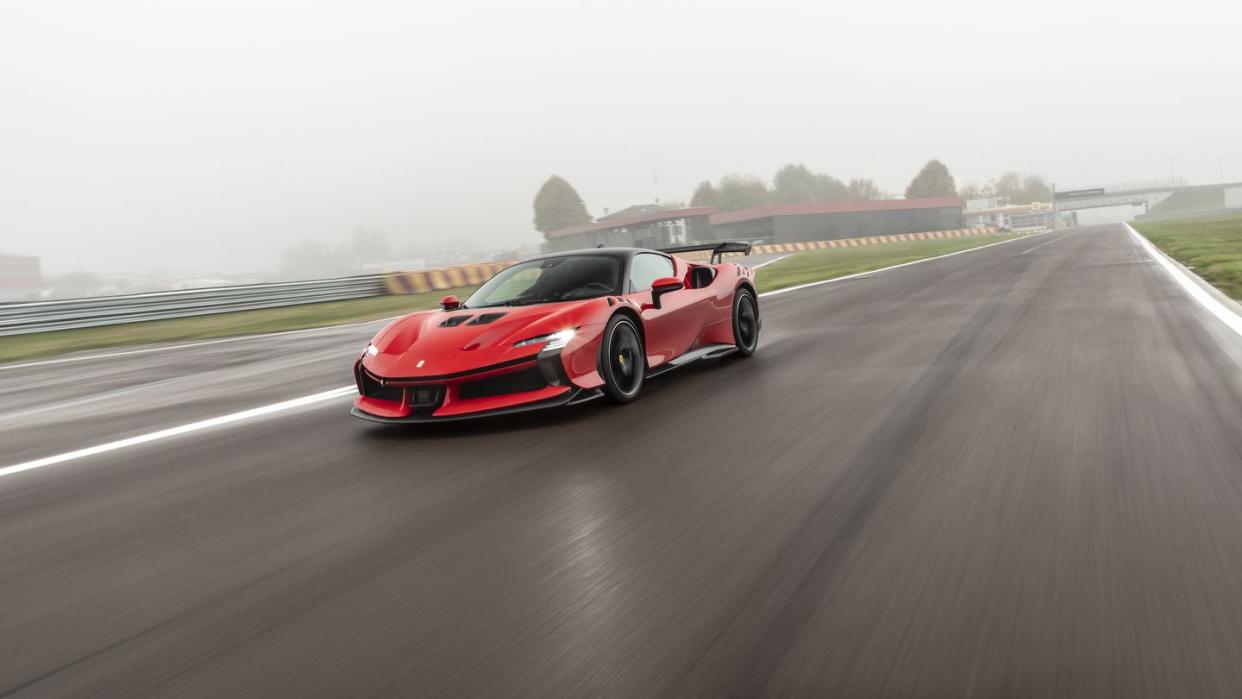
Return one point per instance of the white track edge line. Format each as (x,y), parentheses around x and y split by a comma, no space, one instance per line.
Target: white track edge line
(765,264)
(178,430)
(903,264)
(342,392)
(1212,305)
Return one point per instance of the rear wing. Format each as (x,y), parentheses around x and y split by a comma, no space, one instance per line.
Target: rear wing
(718,249)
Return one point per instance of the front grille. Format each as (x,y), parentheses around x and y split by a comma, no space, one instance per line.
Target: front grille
(514,382)
(371,388)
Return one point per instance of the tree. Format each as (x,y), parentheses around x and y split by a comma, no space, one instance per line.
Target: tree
(796,184)
(829,188)
(934,180)
(864,189)
(974,190)
(1019,189)
(1009,186)
(705,195)
(1034,189)
(742,192)
(557,205)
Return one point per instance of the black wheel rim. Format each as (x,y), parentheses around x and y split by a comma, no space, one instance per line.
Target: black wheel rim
(625,358)
(747,322)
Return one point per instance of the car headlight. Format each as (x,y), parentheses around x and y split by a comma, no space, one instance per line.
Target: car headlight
(551,341)
(371,350)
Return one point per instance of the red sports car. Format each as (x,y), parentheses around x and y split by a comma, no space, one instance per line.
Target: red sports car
(559,329)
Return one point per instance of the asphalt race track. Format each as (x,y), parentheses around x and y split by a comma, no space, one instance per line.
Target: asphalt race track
(1015,471)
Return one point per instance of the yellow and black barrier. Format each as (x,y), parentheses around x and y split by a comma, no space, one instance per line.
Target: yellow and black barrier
(774,248)
(425,280)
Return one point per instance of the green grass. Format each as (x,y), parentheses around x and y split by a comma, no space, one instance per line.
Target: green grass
(267,320)
(838,262)
(1212,247)
(1201,198)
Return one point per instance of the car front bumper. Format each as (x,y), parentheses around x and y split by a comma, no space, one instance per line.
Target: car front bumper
(534,383)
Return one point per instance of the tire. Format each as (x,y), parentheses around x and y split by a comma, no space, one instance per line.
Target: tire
(745,322)
(622,359)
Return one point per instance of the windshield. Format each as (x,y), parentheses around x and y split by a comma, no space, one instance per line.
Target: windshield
(551,279)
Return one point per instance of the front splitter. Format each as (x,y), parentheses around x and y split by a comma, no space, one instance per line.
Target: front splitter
(572,398)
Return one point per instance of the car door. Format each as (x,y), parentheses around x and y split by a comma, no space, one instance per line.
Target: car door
(673,328)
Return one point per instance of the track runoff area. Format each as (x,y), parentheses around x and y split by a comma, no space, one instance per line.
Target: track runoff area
(1008,471)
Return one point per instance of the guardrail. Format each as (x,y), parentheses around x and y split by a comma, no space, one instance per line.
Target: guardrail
(43,316)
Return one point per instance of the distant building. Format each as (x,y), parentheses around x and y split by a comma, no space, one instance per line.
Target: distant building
(646,228)
(1016,217)
(653,226)
(793,223)
(632,212)
(21,277)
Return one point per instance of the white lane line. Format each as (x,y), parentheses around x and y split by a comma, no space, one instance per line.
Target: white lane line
(1050,242)
(335,393)
(885,269)
(765,264)
(1198,293)
(187,345)
(179,430)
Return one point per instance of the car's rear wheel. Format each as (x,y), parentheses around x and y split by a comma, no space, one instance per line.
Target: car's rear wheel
(622,360)
(745,322)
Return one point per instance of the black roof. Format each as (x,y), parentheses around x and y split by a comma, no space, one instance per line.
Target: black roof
(718,249)
(616,252)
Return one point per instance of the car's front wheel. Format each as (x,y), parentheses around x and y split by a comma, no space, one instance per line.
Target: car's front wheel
(622,360)
(745,322)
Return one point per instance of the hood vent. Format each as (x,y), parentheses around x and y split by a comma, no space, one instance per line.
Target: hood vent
(487,318)
(454,321)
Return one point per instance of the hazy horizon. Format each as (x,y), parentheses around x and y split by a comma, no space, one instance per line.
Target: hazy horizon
(207,136)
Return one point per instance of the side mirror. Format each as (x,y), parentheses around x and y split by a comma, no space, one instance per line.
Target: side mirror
(450,303)
(662,286)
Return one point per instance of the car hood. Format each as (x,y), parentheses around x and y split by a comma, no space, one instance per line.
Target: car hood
(439,343)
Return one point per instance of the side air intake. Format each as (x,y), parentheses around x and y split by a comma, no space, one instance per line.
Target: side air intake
(372,388)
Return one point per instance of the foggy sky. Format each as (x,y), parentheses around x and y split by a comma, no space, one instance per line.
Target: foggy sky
(204,136)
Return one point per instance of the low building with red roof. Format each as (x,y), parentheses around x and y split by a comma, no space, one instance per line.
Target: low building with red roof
(649,229)
(793,223)
(654,227)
